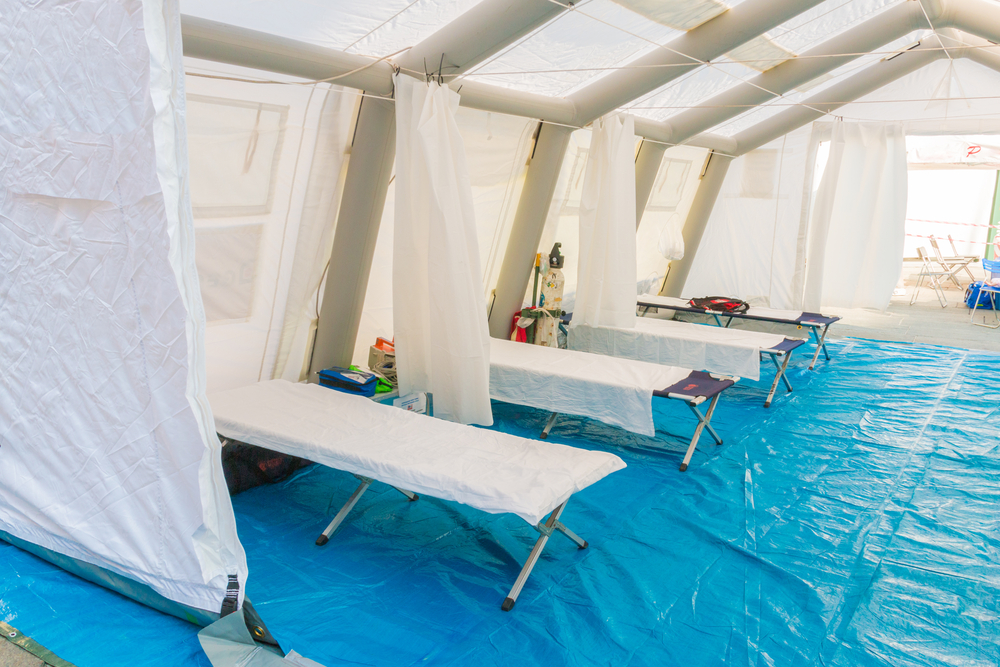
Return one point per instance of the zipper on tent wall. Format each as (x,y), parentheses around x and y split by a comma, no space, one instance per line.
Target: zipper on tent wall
(704,167)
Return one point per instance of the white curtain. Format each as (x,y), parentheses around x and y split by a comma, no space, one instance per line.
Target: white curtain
(606,290)
(439,308)
(858,222)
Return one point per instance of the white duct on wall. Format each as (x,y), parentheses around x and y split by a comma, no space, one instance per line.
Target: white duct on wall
(606,291)
(439,309)
(108,451)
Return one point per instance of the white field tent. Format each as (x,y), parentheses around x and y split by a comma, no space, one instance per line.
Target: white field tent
(173,224)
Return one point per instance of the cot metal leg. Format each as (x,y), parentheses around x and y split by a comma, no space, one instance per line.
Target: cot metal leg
(345,510)
(548,425)
(577,540)
(718,322)
(703,423)
(546,531)
(820,345)
(780,375)
(409,494)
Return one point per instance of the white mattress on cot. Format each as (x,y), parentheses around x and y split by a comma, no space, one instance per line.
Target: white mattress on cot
(614,391)
(769,313)
(697,346)
(491,471)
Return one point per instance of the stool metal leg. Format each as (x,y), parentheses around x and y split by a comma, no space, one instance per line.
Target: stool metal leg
(703,423)
(780,375)
(820,345)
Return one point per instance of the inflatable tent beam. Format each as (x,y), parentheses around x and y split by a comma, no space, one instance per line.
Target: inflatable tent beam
(529,220)
(494,24)
(687,52)
(859,85)
(868,36)
(867,81)
(710,40)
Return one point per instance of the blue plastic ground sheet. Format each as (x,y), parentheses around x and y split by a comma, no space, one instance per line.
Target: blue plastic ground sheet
(855,522)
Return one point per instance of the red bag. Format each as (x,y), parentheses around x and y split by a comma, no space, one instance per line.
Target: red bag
(720,304)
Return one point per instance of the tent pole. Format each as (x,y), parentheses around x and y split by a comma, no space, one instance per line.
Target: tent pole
(354,239)
(647,166)
(697,220)
(529,221)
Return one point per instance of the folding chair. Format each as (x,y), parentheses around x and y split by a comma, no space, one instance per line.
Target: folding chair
(952,265)
(991,287)
(927,271)
(955,255)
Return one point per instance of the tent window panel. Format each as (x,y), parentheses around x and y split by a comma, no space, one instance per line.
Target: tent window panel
(759,175)
(227,268)
(668,189)
(235,147)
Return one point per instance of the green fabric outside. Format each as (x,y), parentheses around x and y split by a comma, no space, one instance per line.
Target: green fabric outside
(14,636)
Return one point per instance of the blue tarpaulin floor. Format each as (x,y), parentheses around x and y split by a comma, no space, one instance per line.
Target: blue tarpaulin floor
(855,522)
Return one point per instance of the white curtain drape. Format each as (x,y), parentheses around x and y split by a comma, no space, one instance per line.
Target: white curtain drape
(606,289)
(439,307)
(858,222)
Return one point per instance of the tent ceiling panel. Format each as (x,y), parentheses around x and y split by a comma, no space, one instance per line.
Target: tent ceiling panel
(679,15)
(575,49)
(760,113)
(692,90)
(357,26)
(823,22)
(826,20)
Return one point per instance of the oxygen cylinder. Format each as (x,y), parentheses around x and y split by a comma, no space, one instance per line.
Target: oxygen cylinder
(547,328)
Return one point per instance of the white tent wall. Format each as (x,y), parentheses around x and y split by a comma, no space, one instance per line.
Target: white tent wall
(497,149)
(754,242)
(109,462)
(266,163)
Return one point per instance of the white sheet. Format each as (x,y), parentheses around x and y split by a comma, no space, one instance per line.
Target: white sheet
(614,391)
(491,471)
(675,302)
(698,346)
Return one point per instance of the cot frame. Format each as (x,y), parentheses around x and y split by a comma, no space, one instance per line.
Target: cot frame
(818,329)
(545,529)
(693,402)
